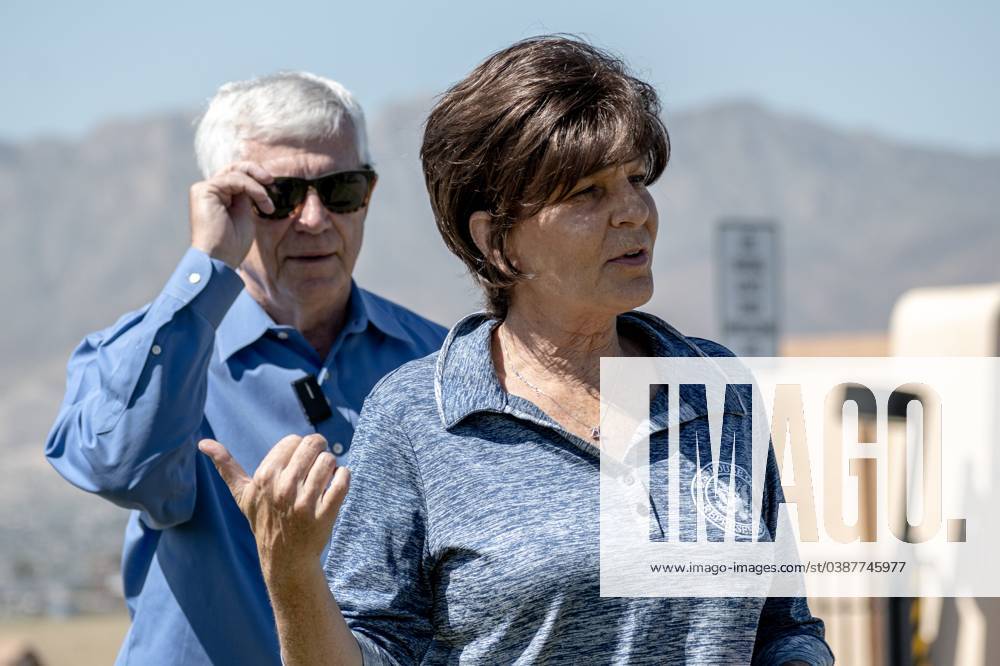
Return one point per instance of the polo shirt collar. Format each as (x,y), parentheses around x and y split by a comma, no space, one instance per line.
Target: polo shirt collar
(465,380)
(246,322)
(667,341)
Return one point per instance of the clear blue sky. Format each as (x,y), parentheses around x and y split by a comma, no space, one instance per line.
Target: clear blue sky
(922,71)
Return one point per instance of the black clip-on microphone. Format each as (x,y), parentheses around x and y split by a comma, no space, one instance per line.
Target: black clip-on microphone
(311,397)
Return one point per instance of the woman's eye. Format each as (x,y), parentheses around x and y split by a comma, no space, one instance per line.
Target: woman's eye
(637,179)
(585,191)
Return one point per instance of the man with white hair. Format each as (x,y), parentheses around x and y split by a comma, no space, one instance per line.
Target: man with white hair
(260,332)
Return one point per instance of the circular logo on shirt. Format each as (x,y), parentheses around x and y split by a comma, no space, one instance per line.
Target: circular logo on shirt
(716,496)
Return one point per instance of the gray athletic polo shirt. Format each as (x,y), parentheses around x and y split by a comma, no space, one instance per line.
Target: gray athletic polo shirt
(470,534)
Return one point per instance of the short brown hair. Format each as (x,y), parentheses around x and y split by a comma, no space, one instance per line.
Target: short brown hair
(521,129)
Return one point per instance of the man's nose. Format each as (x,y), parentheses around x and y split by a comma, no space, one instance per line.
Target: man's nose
(314,217)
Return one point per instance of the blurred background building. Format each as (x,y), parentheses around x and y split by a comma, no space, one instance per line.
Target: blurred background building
(959,320)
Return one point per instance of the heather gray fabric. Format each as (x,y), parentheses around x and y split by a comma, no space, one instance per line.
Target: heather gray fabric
(470,532)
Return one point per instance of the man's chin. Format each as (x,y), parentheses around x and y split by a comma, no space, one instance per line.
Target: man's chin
(318,287)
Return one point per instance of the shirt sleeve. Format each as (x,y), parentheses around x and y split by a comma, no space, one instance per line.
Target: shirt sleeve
(786,630)
(377,566)
(135,396)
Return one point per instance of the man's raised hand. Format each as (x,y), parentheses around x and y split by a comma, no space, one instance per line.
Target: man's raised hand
(291,501)
(222,223)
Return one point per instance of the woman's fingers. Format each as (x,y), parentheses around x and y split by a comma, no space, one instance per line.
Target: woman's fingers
(293,476)
(276,459)
(292,500)
(317,480)
(231,472)
(329,504)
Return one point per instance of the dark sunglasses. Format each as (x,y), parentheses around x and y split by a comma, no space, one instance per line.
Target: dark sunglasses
(340,192)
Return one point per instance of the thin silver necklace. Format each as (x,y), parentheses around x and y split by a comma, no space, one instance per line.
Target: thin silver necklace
(595,430)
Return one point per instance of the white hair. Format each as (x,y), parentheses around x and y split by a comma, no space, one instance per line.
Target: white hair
(287,106)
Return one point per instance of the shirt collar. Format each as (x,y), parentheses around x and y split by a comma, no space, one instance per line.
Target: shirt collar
(465,379)
(243,325)
(667,341)
(369,308)
(246,322)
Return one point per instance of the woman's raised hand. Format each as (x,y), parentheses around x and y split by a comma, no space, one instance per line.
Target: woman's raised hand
(290,501)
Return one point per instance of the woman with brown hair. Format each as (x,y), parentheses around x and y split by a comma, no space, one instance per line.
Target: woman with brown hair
(471,532)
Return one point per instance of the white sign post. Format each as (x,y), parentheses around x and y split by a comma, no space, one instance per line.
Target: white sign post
(747,273)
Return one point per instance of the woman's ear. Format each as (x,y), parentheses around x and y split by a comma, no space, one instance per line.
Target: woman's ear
(479,229)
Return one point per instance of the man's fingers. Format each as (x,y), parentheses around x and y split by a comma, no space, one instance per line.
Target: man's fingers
(252,169)
(232,184)
(230,471)
(334,496)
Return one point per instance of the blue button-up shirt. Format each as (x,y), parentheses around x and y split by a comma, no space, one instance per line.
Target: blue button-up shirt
(205,360)
(470,534)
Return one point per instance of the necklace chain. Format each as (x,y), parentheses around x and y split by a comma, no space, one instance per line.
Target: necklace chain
(595,430)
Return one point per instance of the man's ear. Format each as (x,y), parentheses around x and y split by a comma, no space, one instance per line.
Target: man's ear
(479,229)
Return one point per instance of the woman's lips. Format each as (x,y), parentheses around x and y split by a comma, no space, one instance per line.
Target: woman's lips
(638,259)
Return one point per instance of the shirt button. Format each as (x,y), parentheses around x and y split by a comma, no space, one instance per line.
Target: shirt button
(156,350)
(194,278)
(629,480)
(338,448)
(282,335)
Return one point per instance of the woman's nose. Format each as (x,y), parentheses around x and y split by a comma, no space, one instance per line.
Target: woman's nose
(630,206)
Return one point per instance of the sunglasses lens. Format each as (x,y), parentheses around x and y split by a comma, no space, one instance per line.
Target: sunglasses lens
(285,194)
(344,192)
